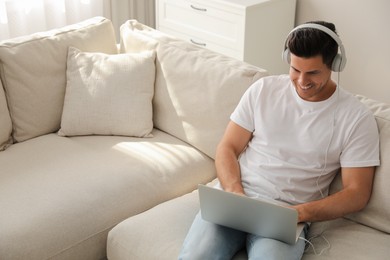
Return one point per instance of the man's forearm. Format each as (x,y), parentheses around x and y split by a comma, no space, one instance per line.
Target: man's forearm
(229,149)
(332,207)
(228,171)
(352,198)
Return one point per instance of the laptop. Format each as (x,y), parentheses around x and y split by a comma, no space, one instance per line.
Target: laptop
(251,215)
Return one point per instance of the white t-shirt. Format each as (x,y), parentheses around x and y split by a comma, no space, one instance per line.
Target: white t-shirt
(297,145)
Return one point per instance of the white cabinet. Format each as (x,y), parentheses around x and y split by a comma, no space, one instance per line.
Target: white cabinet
(250,30)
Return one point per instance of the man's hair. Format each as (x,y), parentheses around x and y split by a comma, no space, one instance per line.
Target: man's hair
(310,42)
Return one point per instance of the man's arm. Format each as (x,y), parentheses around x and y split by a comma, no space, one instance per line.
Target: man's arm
(231,146)
(356,192)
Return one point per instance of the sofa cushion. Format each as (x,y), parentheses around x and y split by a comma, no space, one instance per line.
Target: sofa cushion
(5,121)
(167,224)
(33,72)
(344,239)
(377,212)
(67,193)
(108,94)
(196,89)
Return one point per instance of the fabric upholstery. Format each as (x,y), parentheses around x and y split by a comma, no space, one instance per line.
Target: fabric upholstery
(196,90)
(69,192)
(5,121)
(108,94)
(32,69)
(347,239)
(377,212)
(167,224)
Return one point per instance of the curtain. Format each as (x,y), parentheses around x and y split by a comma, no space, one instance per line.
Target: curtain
(141,10)
(22,17)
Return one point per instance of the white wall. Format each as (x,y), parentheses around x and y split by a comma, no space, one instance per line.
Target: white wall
(364,28)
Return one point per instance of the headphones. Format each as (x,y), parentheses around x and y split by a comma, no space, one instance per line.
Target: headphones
(339,60)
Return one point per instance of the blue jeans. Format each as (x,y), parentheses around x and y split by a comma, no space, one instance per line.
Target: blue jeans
(206,240)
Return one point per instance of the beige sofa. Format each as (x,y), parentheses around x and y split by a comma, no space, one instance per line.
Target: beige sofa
(92,141)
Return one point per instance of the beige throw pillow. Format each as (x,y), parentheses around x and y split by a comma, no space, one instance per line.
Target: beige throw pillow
(108,94)
(377,212)
(196,89)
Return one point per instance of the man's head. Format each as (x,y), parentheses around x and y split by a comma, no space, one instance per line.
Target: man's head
(311,53)
(313,39)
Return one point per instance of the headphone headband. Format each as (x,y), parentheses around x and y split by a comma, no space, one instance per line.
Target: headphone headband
(339,60)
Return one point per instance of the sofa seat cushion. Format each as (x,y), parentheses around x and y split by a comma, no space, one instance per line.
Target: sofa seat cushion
(167,224)
(347,239)
(60,196)
(33,72)
(5,121)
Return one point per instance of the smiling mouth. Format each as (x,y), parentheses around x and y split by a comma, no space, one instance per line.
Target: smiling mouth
(305,87)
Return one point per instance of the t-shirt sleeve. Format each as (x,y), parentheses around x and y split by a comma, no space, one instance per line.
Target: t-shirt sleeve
(362,146)
(243,115)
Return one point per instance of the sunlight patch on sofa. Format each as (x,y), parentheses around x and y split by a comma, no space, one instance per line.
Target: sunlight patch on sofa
(172,155)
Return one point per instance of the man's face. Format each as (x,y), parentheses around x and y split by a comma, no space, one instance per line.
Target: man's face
(311,78)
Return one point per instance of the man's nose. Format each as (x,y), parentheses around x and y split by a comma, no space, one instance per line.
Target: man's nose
(303,80)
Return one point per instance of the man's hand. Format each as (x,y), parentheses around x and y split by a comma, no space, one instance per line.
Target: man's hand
(237,189)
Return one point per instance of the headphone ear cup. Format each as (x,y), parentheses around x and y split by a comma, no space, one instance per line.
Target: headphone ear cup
(286,56)
(337,63)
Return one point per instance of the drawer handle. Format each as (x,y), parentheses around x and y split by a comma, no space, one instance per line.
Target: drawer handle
(198,43)
(198,8)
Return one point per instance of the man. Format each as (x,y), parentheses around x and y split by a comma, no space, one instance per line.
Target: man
(286,140)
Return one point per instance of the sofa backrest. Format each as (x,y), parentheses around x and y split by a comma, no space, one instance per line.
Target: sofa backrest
(5,121)
(33,72)
(196,90)
(377,212)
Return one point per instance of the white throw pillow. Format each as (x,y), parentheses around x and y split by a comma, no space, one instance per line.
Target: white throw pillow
(108,94)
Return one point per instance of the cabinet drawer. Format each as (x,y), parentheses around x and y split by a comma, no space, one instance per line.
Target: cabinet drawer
(205,43)
(202,21)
